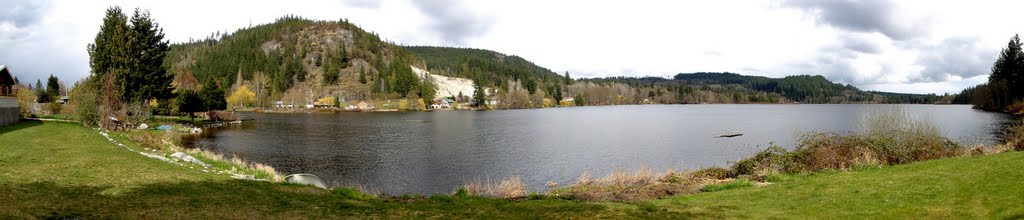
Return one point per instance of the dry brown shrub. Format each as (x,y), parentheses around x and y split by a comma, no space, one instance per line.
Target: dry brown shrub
(1015,135)
(110,103)
(584,179)
(623,178)
(511,187)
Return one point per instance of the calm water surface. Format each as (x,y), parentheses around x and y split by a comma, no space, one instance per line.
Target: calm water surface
(434,152)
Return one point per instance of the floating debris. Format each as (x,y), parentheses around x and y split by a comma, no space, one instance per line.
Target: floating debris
(730,135)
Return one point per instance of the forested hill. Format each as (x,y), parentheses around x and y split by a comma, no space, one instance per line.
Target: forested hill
(800,88)
(796,88)
(488,67)
(298,60)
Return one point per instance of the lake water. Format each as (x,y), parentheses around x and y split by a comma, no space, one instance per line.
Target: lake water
(434,152)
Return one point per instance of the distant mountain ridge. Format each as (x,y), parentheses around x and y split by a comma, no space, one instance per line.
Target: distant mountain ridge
(794,88)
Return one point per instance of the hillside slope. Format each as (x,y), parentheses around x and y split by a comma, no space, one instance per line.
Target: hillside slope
(299,61)
(295,60)
(488,67)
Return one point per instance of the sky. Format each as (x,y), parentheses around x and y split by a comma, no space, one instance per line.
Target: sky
(896,46)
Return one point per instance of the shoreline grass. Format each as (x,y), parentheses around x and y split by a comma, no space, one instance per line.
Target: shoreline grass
(166,143)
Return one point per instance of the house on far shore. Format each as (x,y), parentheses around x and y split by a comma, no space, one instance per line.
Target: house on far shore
(445,103)
(9,113)
(281,104)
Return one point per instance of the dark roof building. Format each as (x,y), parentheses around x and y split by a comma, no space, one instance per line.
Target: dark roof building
(9,111)
(6,82)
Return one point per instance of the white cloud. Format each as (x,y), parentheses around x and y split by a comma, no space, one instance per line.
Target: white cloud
(906,46)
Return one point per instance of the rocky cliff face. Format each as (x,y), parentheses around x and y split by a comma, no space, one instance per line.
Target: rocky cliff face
(447,86)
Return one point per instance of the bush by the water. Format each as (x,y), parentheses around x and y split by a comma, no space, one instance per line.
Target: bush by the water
(1015,136)
(885,137)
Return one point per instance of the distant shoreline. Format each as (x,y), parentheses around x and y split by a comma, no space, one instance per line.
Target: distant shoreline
(326,110)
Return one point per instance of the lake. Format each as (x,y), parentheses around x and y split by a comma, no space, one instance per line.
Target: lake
(435,152)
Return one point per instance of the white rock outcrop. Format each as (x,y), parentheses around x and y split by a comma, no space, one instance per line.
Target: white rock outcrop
(447,86)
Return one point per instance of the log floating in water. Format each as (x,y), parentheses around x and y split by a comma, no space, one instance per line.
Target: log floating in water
(729,135)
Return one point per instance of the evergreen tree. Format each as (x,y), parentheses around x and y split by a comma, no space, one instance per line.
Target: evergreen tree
(427,91)
(134,52)
(362,74)
(189,102)
(1009,64)
(1004,84)
(405,80)
(557,95)
(41,96)
(530,85)
(295,69)
(478,96)
(212,97)
(148,79)
(330,72)
(343,55)
(52,88)
(110,49)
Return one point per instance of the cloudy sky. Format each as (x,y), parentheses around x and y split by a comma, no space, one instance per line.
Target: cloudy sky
(900,46)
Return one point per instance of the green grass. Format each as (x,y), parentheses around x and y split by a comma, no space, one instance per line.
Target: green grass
(65,170)
(740,183)
(988,187)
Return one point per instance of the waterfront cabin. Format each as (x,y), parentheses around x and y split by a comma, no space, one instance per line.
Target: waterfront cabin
(442,104)
(9,108)
(7,82)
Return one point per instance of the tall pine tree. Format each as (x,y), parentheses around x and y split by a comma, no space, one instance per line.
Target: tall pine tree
(134,53)
(148,79)
(478,96)
(1007,72)
(362,74)
(52,88)
(110,50)
(427,90)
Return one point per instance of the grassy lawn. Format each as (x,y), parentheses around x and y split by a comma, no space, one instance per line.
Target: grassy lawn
(59,169)
(989,187)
